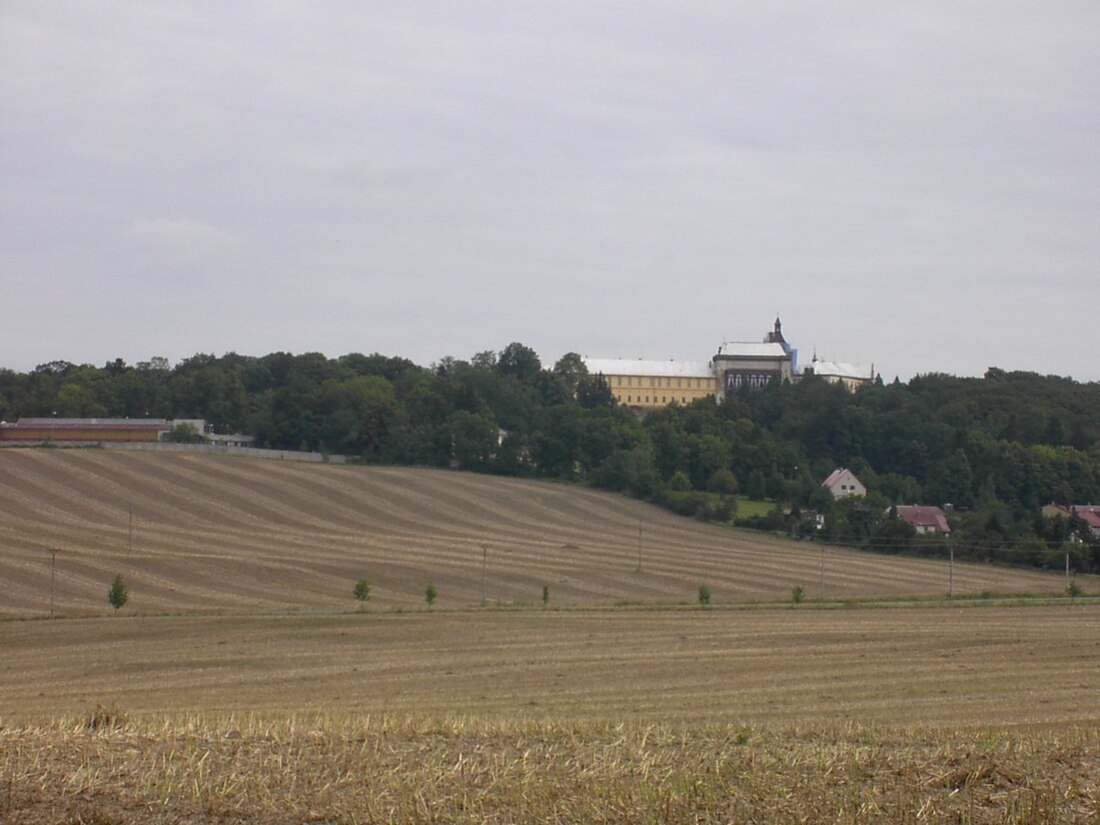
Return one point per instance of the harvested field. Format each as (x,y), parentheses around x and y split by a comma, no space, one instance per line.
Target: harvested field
(240,685)
(979,715)
(470,772)
(1035,665)
(233,534)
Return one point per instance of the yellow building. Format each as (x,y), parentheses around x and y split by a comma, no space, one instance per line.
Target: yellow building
(646,384)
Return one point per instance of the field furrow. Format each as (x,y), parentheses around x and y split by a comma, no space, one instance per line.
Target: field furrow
(219,533)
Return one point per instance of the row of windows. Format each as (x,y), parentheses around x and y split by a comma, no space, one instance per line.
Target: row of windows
(756,380)
(650,381)
(630,399)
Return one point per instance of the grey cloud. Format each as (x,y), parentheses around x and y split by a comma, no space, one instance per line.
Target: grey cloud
(909,184)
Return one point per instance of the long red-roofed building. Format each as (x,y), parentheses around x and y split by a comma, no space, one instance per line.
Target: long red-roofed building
(51,430)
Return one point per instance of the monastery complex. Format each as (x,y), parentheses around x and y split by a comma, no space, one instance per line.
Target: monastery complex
(646,384)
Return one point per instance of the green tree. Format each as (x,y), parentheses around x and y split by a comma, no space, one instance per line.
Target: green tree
(572,371)
(118,594)
(360,413)
(361,591)
(593,392)
(486,359)
(756,488)
(519,361)
(707,454)
(723,481)
(79,401)
(679,482)
(951,480)
(629,471)
(473,439)
(185,434)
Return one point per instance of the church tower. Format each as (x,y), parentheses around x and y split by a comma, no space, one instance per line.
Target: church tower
(776,335)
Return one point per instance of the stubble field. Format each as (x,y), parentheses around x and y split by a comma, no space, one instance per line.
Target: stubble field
(218,533)
(242,685)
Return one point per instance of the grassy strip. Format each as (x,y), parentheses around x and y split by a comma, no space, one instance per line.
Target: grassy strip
(350,769)
(988,599)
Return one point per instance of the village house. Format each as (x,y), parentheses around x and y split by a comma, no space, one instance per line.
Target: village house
(924,518)
(1088,513)
(842,482)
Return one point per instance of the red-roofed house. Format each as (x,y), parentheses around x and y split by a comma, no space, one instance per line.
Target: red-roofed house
(1088,513)
(843,482)
(925,519)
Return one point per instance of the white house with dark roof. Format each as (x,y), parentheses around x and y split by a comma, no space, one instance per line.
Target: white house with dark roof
(852,376)
(842,482)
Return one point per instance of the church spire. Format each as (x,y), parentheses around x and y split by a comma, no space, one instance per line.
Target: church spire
(776,335)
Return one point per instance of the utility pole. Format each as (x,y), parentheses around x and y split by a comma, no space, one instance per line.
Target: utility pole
(951,571)
(130,540)
(484,566)
(53,564)
(823,571)
(639,568)
(1067,571)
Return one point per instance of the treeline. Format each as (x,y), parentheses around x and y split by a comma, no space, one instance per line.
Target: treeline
(995,448)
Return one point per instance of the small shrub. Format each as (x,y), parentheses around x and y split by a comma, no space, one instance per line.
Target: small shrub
(798,594)
(185,434)
(104,717)
(545,595)
(430,594)
(118,594)
(1075,590)
(361,591)
(704,595)
(679,482)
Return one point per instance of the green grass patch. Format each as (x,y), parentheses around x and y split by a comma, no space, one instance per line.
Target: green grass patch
(748,508)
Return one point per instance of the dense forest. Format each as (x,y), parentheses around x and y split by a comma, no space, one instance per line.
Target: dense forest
(995,448)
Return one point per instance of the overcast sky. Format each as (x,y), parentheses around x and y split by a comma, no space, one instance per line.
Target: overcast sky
(913,184)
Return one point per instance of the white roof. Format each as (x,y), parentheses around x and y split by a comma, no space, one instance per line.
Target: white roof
(641,366)
(748,349)
(839,370)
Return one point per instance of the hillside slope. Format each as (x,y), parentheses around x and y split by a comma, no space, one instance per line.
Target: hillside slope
(222,533)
